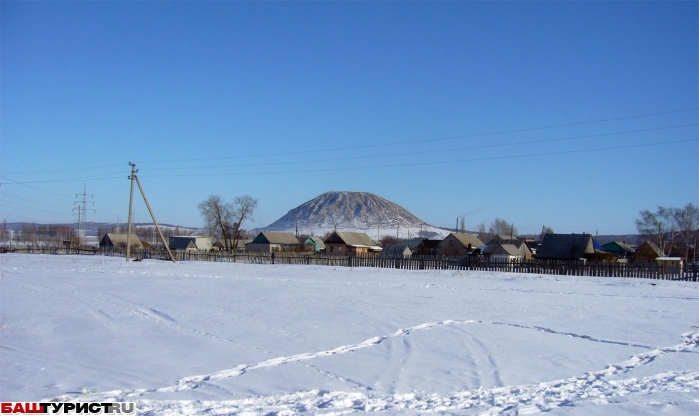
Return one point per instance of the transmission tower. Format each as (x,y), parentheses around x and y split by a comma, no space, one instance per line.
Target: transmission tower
(81,210)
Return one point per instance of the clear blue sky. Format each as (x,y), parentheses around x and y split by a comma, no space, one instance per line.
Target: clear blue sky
(445,108)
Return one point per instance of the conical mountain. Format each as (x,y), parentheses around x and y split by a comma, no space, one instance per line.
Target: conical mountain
(347,210)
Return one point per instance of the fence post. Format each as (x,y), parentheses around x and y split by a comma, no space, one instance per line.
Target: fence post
(272,257)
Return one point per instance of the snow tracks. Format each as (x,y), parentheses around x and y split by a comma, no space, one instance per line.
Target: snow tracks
(597,387)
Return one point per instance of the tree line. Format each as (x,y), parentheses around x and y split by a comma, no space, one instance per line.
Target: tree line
(43,234)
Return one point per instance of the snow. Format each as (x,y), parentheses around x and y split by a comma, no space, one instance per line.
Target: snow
(228,338)
(404,232)
(354,212)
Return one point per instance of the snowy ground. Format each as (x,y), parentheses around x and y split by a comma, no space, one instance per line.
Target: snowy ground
(215,338)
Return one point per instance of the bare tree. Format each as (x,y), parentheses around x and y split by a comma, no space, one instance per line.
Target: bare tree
(217,218)
(502,227)
(389,239)
(658,227)
(242,209)
(686,222)
(482,233)
(545,230)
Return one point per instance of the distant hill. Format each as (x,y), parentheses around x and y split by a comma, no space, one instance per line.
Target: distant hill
(353,211)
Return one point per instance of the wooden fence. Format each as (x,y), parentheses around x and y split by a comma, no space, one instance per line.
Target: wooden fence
(689,272)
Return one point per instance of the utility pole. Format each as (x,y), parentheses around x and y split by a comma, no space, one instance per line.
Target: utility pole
(456,227)
(4,231)
(145,199)
(157,227)
(82,214)
(128,232)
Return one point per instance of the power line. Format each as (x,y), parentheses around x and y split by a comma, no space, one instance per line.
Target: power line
(11,195)
(77,179)
(64,170)
(105,176)
(321,150)
(29,208)
(31,187)
(422,152)
(436,162)
(423,140)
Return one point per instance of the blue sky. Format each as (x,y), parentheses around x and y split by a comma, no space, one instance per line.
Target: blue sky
(576,115)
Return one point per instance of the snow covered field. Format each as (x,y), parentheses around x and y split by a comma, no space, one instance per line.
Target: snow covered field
(215,338)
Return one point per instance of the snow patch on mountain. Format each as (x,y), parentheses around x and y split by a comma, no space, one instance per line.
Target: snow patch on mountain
(354,211)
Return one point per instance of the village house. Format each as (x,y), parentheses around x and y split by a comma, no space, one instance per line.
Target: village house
(269,242)
(112,240)
(495,249)
(646,253)
(314,243)
(566,247)
(458,244)
(191,242)
(505,252)
(619,249)
(422,246)
(396,251)
(342,243)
